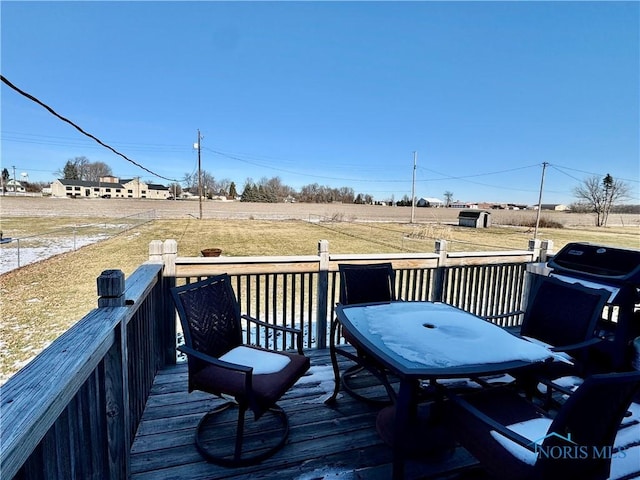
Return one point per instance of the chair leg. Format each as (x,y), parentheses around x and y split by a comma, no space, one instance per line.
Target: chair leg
(230,454)
(242,409)
(350,372)
(355,370)
(334,364)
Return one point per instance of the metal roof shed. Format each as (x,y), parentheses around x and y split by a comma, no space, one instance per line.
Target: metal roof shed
(474,218)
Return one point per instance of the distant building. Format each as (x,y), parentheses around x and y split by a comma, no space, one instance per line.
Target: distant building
(459,204)
(429,202)
(558,207)
(501,206)
(109,187)
(13,186)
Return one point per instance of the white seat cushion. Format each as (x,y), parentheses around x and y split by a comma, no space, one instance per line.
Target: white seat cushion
(624,463)
(534,430)
(261,361)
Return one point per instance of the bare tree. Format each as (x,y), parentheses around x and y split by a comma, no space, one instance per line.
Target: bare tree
(81,168)
(190,182)
(222,187)
(448,197)
(600,195)
(94,170)
(175,189)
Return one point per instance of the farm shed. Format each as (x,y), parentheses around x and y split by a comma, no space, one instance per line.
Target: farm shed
(474,218)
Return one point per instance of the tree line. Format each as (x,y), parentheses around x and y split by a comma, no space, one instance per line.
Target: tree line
(601,196)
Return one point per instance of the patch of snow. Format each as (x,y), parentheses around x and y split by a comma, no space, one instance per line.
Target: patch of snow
(327,473)
(437,335)
(624,466)
(12,256)
(323,376)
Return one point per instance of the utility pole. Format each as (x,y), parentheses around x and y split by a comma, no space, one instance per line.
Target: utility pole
(199,175)
(15,190)
(413,187)
(535,232)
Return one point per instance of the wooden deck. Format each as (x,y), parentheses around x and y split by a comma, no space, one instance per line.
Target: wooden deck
(338,442)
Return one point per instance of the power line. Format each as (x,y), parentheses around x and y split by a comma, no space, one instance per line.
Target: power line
(66,120)
(38,139)
(588,173)
(233,157)
(462,177)
(557,169)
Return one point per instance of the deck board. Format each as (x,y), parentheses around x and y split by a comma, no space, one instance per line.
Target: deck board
(338,441)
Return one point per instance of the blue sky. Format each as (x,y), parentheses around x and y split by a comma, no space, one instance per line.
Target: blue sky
(334,93)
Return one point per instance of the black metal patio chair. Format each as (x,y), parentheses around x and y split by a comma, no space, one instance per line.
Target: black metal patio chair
(563,316)
(512,438)
(360,283)
(254,377)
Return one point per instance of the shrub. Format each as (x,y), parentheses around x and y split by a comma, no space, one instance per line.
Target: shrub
(529,222)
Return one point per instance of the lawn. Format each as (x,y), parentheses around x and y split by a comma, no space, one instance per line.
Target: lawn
(42,300)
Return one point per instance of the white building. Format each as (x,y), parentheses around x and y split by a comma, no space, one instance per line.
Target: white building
(109,187)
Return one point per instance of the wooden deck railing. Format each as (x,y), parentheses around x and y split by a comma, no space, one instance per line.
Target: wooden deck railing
(301,291)
(72,412)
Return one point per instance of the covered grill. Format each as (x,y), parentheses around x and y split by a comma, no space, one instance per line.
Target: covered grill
(617,270)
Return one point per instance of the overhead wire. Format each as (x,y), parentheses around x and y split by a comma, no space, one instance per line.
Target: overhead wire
(465,178)
(555,167)
(66,120)
(560,169)
(244,160)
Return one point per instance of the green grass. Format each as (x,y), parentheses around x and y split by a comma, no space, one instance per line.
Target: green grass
(42,300)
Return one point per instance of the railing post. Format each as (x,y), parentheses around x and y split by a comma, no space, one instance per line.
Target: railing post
(169,254)
(545,250)
(537,267)
(155,251)
(111,289)
(111,285)
(534,246)
(168,323)
(438,287)
(323,294)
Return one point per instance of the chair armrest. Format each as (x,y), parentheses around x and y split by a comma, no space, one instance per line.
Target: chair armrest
(190,352)
(577,346)
(296,332)
(550,384)
(503,315)
(487,420)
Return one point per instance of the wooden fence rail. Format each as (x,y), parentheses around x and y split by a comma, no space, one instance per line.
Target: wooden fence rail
(302,291)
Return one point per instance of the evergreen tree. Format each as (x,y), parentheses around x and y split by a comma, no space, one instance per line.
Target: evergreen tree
(5,180)
(70,171)
(232,190)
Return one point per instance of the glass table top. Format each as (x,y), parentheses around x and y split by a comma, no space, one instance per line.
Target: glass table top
(426,338)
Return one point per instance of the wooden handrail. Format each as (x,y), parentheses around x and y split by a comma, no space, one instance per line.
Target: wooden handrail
(85,368)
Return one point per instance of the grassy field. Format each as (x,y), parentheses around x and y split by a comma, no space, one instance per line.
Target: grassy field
(42,300)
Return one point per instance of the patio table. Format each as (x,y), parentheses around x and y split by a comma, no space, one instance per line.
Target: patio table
(428,341)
